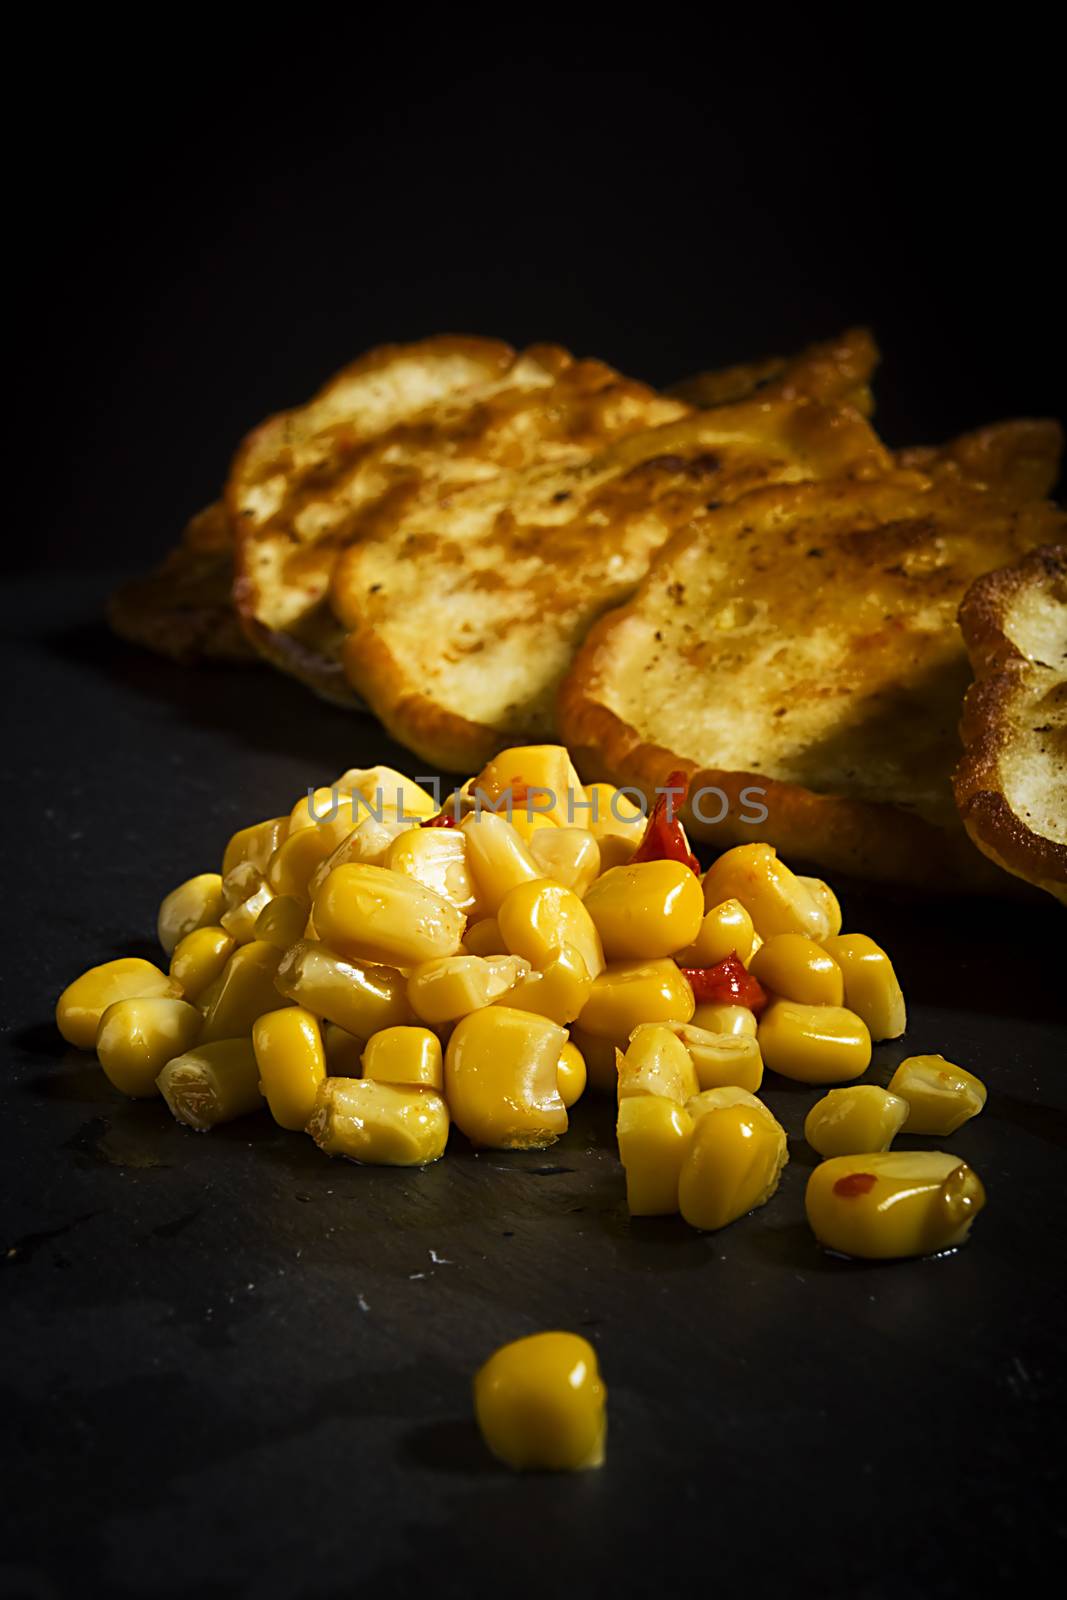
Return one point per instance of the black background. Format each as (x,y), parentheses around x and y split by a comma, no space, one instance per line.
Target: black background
(230,1367)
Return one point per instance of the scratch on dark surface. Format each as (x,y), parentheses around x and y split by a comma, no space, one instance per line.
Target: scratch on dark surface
(24,1249)
(171,1230)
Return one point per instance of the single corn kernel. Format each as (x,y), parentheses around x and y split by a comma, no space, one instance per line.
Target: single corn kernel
(319,806)
(871,987)
(657,1062)
(727,1094)
(199,959)
(297,859)
(614,820)
(372,914)
(632,992)
(540,1404)
(499,859)
(241,920)
(436,858)
(795,967)
(646,911)
(774,897)
(724,930)
(884,1205)
(654,1134)
(570,856)
(367,845)
(719,1058)
(405,1055)
(537,918)
(359,997)
(255,844)
(83,1002)
(484,939)
(599,1055)
(380,1124)
(292,1063)
(213,1083)
(715,1018)
(453,987)
(826,899)
(733,1162)
(570,1074)
(539,779)
(344,1051)
(813,1044)
(855,1120)
(196,903)
(388,793)
(137,1038)
(528,823)
(501,1079)
(246,990)
(558,991)
(240,883)
(940,1096)
(281,922)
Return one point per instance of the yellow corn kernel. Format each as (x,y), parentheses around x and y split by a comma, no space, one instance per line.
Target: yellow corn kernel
(240,920)
(615,821)
(388,792)
(196,903)
(733,1162)
(212,1083)
(137,1038)
(570,1074)
(501,1079)
(237,885)
(558,991)
(499,859)
(813,1044)
(724,1019)
(372,914)
(940,1096)
(895,1203)
(210,992)
(631,992)
(199,959)
(826,899)
(405,1055)
(436,858)
(570,856)
(380,1124)
(718,1058)
(871,987)
(795,967)
(292,1063)
(528,824)
(657,1062)
(255,845)
(654,1134)
(537,918)
(646,911)
(727,1094)
(774,897)
(295,861)
(83,1002)
(281,922)
(855,1120)
(538,777)
(312,809)
(724,930)
(540,1404)
(359,997)
(344,1051)
(367,845)
(484,939)
(599,1055)
(453,987)
(246,990)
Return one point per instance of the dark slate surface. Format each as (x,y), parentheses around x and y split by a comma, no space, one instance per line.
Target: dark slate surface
(233,1367)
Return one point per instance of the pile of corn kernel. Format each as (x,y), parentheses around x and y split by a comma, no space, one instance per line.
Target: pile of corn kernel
(376,968)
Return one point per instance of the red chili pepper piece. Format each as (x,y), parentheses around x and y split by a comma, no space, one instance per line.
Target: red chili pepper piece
(856,1183)
(727,983)
(664,837)
(443,819)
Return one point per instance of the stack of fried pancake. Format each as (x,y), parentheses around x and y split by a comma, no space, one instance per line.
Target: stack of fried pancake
(736,578)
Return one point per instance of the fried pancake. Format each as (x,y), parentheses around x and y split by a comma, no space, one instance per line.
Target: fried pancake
(835,371)
(804,641)
(465,614)
(1011,784)
(184,609)
(396,429)
(1018,461)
